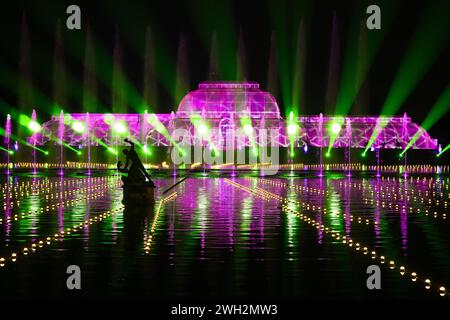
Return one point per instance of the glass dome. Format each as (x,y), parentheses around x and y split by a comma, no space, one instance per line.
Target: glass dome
(221,99)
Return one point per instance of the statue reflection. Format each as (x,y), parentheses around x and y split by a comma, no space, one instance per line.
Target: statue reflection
(137,218)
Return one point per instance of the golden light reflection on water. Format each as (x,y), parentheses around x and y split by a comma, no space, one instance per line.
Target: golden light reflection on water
(238,223)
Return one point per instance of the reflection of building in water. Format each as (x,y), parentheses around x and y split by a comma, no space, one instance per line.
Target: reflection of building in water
(227,108)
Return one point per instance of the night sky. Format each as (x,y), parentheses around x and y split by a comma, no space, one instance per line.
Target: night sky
(122,25)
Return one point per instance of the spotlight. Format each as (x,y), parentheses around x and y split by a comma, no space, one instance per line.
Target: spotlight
(146,150)
(120,128)
(108,118)
(248,129)
(34,126)
(292,129)
(335,128)
(78,126)
(203,129)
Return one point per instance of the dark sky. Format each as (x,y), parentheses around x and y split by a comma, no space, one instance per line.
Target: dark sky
(196,21)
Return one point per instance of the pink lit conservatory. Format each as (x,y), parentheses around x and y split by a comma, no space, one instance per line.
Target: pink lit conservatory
(226,107)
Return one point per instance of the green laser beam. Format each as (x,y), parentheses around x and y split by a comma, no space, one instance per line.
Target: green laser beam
(422,51)
(438,110)
(420,55)
(443,150)
(382,122)
(218,16)
(19,140)
(37,148)
(292,130)
(247,126)
(334,129)
(361,50)
(161,129)
(202,128)
(6,150)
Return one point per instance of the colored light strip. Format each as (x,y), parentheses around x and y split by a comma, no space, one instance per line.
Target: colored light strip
(312,207)
(47,241)
(66,203)
(287,206)
(150,236)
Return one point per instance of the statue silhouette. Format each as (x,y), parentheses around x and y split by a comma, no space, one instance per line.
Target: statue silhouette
(137,174)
